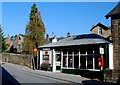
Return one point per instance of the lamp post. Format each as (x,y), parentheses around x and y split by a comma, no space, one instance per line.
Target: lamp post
(34,62)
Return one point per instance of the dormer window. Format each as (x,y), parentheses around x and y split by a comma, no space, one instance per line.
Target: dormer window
(100,31)
(19,38)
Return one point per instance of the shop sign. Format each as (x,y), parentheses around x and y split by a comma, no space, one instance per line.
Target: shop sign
(101,50)
(46,48)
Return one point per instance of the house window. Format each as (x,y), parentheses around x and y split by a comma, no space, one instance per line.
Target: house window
(19,46)
(19,38)
(100,31)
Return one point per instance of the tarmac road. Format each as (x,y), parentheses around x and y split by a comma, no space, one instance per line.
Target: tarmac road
(11,75)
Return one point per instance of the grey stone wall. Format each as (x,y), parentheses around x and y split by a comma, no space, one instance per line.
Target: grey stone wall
(20,59)
(114,74)
(105,33)
(116,41)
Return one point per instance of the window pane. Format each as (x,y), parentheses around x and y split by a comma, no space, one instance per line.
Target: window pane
(70,61)
(83,62)
(64,61)
(76,61)
(90,62)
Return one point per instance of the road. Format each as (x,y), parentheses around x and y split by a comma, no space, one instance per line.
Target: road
(13,75)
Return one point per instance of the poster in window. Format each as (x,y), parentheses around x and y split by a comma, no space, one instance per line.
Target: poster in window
(45,57)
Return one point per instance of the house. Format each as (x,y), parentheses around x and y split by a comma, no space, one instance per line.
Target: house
(114,74)
(17,43)
(101,30)
(8,42)
(54,39)
(89,52)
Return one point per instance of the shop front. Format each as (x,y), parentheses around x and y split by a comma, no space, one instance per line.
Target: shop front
(73,55)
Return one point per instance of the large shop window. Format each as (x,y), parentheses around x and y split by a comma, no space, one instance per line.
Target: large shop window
(70,60)
(90,62)
(83,62)
(58,57)
(64,61)
(76,58)
(64,58)
(45,57)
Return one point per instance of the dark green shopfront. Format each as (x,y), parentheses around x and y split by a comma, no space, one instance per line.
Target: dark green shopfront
(87,55)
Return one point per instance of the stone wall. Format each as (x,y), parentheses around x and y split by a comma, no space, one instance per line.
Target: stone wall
(105,33)
(20,59)
(113,75)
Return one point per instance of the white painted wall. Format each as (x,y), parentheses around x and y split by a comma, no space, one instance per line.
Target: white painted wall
(53,62)
(111,56)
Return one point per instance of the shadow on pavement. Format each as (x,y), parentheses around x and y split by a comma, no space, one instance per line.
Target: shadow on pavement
(7,78)
(90,82)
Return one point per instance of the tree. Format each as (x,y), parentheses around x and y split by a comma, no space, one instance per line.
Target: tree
(35,31)
(3,46)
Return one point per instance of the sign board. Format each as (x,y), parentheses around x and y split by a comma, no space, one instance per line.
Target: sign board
(46,48)
(101,50)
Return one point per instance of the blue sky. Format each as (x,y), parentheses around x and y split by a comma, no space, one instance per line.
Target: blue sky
(58,17)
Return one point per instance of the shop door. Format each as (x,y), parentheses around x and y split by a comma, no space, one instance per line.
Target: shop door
(58,62)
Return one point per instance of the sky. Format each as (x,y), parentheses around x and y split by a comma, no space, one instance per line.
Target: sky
(58,17)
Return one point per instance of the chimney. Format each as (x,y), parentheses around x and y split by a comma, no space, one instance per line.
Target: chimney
(68,34)
(8,36)
(54,39)
(47,37)
(93,25)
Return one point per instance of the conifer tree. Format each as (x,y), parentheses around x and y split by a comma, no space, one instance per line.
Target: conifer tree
(2,42)
(35,31)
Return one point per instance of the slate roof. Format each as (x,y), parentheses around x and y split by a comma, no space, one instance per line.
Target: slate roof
(114,11)
(101,25)
(78,40)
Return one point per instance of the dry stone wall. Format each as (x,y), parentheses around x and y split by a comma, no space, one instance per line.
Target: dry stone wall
(20,59)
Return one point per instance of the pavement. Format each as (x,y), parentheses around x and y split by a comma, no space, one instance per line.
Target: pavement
(76,79)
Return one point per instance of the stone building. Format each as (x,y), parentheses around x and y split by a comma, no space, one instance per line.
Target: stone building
(101,30)
(114,74)
(17,44)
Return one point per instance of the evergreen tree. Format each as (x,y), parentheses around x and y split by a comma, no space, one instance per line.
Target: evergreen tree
(2,41)
(35,31)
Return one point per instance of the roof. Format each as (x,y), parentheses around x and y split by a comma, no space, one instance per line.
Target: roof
(114,11)
(78,40)
(101,25)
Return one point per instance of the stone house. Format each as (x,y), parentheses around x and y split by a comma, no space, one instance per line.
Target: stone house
(101,30)
(9,42)
(114,74)
(17,43)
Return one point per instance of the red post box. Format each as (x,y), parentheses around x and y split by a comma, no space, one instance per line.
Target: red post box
(100,62)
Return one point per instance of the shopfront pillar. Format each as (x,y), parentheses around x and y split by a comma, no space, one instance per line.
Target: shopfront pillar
(53,61)
(41,57)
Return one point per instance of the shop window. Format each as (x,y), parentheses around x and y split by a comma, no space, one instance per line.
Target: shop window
(83,51)
(64,61)
(58,57)
(83,62)
(96,62)
(96,50)
(70,61)
(65,52)
(45,57)
(89,62)
(90,50)
(76,61)
(76,52)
